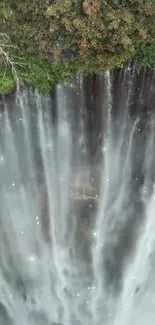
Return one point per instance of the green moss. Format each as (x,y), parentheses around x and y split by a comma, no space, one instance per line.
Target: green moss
(43,75)
(145,55)
(39,76)
(120,60)
(65,70)
(7,84)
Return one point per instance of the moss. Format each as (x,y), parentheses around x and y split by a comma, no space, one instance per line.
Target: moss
(44,75)
(65,70)
(119,60)
(39,76)
(145,55)
(7,84)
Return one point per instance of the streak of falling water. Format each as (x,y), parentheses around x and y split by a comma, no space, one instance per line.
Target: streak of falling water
(108,99)
(62,248)
(45,279)
(82,139)
(137,275)
(56,162)
(98,300)
(80,159)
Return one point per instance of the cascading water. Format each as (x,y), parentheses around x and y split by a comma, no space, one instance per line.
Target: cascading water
(77,201)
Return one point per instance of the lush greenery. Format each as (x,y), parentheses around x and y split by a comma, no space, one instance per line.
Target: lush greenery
(45,41)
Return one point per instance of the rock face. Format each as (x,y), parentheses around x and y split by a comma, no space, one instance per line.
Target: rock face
(76,200)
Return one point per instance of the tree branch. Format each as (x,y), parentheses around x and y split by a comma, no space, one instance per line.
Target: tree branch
(5,46)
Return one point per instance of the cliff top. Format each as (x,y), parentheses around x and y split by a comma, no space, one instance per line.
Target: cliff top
(43,42)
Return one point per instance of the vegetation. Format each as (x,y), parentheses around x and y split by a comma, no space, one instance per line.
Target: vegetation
(46,41)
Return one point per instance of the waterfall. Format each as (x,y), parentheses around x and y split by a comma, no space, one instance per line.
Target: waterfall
(77,201)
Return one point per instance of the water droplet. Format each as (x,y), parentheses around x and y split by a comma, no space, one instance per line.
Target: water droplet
(13,184)
(22,232)
(88,288)
(90,205)
(10,296)
(94,233)
(87,302)
(78,294)
(37,218)
(2,158)
(38,223)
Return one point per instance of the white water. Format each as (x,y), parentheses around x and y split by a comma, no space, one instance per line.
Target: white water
(54,267)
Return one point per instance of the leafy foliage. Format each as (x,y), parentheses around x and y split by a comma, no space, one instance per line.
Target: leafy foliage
(7,84)
(62,38)
(39,76)
(100,29)
(145,55)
